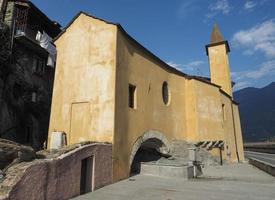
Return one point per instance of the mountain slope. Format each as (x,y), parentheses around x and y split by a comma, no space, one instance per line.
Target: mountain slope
(257,111)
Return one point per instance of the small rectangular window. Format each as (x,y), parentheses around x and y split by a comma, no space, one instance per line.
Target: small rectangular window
(34,96)
(132,96)
(34,65)
(38,66)
(223,112)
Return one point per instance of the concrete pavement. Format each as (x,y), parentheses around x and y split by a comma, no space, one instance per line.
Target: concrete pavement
(239,181)
(266,157)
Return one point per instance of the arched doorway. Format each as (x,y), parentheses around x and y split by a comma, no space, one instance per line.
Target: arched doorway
(151,146)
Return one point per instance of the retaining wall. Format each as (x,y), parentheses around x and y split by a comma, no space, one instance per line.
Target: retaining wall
(58,178)
(268,168)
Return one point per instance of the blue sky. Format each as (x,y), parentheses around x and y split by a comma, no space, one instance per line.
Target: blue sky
(178,30)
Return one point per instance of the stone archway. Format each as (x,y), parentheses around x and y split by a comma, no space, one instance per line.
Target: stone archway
(152,145)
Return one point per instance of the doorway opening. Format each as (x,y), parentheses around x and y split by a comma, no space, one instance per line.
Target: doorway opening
(86,175)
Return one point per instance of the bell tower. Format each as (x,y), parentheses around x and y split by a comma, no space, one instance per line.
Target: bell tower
(217,52)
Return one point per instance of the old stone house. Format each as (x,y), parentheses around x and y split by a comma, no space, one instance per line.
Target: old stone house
(26,88)
(109,88)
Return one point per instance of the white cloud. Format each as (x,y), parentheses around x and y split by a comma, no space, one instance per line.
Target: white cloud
(175,65)
(190,67)
(258,38)
(265,69)
(249,5)
(248,52)
(220,6)
(195,63)
(241,85)
(244,78)
(186,8)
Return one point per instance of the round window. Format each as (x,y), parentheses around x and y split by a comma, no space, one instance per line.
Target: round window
(165,93)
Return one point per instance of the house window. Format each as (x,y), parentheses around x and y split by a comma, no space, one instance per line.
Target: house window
(165,93)
(34,96)
(21,18)
(132,96)
(17,91)
(38,66)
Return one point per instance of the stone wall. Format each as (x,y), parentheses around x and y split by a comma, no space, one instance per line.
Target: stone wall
(9,13)
(25,121)
(57,176)
(26,81)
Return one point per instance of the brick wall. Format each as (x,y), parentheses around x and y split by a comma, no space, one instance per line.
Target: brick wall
(58,178)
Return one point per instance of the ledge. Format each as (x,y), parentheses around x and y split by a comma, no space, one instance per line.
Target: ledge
(266,167)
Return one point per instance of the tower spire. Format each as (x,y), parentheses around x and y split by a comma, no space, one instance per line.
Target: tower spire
(216,35)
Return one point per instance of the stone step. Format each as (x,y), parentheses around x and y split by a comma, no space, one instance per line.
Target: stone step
(164,170)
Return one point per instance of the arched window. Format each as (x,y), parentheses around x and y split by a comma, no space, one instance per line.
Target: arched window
(132,96)
(165,93)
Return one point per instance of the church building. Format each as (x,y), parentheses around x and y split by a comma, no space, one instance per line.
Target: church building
(109,88)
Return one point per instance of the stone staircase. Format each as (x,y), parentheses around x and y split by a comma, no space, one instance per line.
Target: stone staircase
(177,164)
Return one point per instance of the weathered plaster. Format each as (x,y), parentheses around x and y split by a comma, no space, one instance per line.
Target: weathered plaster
(85,73)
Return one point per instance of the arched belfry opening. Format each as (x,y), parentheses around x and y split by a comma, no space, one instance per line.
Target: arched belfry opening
(151,146)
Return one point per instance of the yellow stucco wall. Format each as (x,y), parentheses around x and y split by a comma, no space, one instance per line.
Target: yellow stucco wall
(209,120)
(191,110)
(96,63)
(239,137)
(229,130)
(85,79)
(219,67)
(210,117)
(136,67)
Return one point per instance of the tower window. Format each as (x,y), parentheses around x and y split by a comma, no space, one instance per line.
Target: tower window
(223,112)
(165,93)
(132,96)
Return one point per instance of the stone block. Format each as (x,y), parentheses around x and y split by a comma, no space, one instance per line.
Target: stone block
(179,171)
